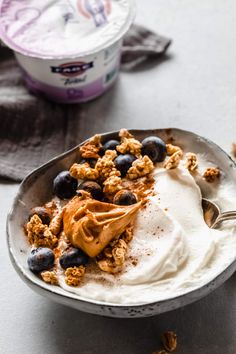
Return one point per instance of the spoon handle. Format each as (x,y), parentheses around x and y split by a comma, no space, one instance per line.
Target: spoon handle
(228,215)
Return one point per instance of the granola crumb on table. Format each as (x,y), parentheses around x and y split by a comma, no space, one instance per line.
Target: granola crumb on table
(39,234)
(169,341)
(74,275)
(233,149)
(211,174)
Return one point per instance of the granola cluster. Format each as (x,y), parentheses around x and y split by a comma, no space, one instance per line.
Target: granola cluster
(105,171)
(90,150)
(106,166)
(74,275)
(49,277)
(113,257)
(140,167)
(39,234)
(174,160)
(84,171)
(211,174)
(191,161)
(171,149)
(129,145)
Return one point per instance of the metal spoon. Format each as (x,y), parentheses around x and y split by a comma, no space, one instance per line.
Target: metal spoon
(212,214)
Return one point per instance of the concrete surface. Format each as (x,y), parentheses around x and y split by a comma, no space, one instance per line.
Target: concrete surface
(195,89)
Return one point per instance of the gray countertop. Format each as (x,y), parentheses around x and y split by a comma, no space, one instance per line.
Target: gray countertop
(195,89)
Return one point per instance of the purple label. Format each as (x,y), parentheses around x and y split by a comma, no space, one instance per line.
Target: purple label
(63,95)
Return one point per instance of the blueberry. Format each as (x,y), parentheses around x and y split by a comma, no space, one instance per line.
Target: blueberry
(124,197)
(42,213)
(64,186)
(40,259)
(154,148)
(123,163)
(73,257)
(109,145)
(91,162)
(93,188)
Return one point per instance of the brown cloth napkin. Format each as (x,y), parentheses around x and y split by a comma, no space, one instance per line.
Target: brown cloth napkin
(28,137)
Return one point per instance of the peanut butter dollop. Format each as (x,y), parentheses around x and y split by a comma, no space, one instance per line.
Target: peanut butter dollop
(91,225)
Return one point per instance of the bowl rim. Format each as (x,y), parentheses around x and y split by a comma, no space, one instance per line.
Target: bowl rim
(52,290)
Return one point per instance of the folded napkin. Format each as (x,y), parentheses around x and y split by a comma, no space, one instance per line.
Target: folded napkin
(28,135)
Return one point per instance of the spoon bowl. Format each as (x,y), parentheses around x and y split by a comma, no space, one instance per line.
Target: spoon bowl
(213,216)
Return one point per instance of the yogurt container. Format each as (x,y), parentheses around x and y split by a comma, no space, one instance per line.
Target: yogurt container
(68,50)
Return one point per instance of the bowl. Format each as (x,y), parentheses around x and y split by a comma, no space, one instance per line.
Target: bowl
(36,190)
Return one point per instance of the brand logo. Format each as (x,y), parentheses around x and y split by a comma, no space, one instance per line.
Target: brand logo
(98,10)
(72,69)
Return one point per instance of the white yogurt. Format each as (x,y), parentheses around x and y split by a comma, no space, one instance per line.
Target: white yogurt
(175,249)
(69,50)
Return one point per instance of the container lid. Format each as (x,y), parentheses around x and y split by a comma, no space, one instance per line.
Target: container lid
(54,29)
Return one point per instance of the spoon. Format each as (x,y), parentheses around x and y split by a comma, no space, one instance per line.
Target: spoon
(212,214)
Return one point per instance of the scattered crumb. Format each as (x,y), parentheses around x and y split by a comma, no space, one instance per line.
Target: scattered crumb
(49,277)
(174,160)
(74,275)
(191,161)
(169,341)
(211,174)
(171,149)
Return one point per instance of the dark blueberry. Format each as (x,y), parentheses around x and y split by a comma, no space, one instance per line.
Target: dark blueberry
(73,257)
(93,188)
(91,162)
(40,259)
(155,148)
(124,162)
(42,213)
(109,145)
(64,186)
(124,197)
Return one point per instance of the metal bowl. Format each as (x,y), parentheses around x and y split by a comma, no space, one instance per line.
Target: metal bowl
(36,190)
